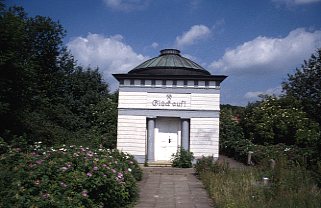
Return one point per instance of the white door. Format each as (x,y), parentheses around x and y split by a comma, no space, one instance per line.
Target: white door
(166,138)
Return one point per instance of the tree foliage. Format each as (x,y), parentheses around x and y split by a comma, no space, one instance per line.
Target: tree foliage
(44,95)
(279,120)
(305,85)
(229,127)
(287,126)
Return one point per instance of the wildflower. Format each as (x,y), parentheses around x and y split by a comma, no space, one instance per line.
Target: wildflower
(89,174)
(105,175)
(90,154)
(95,168)
(120,175)
(63,185)
(45,196)
(37,182)
(113,170)
(104,165)
(130,170)
(17,149)
(64,168)
(287,149)
(39,162)
(84,193)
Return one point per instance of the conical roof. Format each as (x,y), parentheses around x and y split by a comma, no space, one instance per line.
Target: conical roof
(169,62)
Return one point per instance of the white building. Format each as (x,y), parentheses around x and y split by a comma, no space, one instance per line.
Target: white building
(167,102)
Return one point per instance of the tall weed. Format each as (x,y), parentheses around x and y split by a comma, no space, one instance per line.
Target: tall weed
(288,186)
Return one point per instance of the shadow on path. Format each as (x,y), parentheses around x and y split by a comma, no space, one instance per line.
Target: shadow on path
(231,162)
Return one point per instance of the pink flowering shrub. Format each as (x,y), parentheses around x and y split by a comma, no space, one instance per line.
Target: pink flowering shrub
(68,177)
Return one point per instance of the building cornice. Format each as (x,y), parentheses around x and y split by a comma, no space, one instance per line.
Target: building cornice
(218,78)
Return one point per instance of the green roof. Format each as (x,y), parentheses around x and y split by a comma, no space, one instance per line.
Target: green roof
(169,62)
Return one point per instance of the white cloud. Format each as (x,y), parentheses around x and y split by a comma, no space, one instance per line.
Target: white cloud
(194,4)
(154,45)
(195,33)
(272,91)
(110,54)
(266,55)
(295,2)
(305,1)
(127,5)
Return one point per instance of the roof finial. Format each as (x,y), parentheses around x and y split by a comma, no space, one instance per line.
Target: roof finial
(169,51)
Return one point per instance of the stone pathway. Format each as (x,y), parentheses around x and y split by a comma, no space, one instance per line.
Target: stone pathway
(167,187)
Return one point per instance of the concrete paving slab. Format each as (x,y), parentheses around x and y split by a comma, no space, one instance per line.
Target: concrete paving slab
(167,187)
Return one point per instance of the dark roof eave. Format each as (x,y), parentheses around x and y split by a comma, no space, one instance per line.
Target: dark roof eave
(147,69)
(174,77)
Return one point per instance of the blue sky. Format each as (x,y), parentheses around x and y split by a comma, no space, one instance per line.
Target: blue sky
(254,42)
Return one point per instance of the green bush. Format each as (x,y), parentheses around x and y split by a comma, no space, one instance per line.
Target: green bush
(238,149)
(4,148)
(209,164)
(182,158)
(272,128)
(68,176)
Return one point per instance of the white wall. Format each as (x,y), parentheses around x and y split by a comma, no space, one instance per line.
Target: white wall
(131,134)
(205,101)
(204,132)
(132,99)
(204,137)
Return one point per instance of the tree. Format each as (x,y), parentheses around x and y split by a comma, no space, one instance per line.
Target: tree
(14,73)
(231,133)
(279,120)
(229,128)
(305,85)
(44,95)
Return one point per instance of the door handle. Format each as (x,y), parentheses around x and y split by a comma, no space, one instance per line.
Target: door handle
(169,140)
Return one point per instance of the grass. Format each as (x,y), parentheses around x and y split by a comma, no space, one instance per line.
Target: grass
(289,186)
